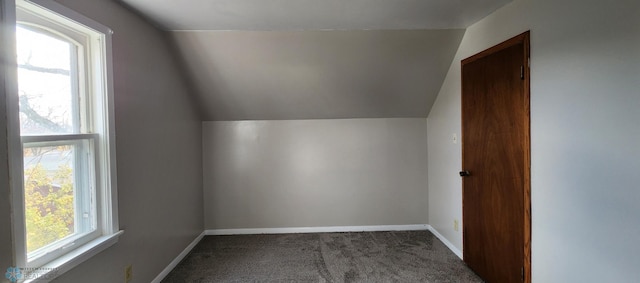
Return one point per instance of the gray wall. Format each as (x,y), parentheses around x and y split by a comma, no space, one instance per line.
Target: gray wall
(585,67)
(309,173)
(6,246)
(158,153)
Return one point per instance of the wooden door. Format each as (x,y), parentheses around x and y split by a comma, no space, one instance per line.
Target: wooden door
(495,160)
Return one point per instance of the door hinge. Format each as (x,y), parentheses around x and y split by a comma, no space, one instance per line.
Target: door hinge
(522,72)
(522,273)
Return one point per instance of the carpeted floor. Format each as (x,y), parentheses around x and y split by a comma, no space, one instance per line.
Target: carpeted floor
(407,256)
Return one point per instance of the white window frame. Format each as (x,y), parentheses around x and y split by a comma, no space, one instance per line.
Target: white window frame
(102,138)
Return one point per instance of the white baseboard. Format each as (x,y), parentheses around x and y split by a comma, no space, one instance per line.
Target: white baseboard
(177,260)
(291,230)
(445,241)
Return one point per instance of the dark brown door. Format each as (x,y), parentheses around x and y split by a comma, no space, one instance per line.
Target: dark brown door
(495,153)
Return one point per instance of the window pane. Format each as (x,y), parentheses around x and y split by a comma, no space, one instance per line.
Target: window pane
(46,83)
(58,202)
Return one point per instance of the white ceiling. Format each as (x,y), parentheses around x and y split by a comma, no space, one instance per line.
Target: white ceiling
(315,59)
(284,75)
(282,15)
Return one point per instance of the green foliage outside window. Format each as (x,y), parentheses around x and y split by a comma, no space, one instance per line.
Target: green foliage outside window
(49,205)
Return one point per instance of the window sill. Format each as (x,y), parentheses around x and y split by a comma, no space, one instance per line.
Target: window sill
(72,259)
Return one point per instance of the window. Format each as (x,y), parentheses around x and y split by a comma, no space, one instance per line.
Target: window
(68,194)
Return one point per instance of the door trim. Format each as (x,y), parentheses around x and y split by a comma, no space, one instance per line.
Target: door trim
(523,38)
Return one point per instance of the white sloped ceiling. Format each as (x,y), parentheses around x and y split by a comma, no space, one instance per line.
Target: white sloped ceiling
(309,59)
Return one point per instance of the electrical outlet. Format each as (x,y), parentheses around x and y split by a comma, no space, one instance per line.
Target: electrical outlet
(456,225)
(128,273)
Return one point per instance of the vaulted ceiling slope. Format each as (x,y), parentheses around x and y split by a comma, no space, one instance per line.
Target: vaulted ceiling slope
(315,59)
(317,74)
(314,14)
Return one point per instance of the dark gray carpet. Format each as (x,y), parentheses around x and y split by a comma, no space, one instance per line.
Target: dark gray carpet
(408,256)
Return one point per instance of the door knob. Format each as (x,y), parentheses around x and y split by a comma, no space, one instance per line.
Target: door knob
(464,173)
